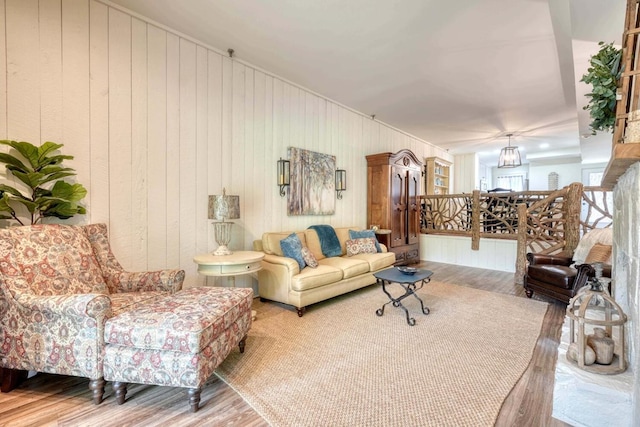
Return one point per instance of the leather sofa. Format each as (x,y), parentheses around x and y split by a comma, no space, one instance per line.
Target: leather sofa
(282,280)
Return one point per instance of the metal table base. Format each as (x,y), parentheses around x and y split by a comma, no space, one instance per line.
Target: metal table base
(410,284)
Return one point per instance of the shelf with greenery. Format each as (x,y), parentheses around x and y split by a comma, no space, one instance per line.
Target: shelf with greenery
(41,191)
(603,75)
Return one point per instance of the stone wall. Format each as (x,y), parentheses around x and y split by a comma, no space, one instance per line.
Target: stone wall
(626,274)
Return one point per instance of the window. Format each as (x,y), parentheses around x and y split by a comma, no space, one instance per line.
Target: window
(511,182)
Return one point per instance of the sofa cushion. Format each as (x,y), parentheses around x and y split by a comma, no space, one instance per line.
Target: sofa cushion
(310,278)
(353,234)
(377,261)
(186,321)
(313,243)
(364,245)
(558,275)
(292,248)
(350,267)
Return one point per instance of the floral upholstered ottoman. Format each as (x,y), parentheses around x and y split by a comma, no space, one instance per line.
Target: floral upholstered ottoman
(178,340)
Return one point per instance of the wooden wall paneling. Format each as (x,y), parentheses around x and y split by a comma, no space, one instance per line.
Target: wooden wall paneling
(187,176)
(214,135)
(97,201)
(310,120)
(279,149)
(172,177)
(321,128)
(223,162)
(243,161)
(3,78)
(253,202)
(246,158)
(23,88)
(242,90)
(202,149)
(120,136)
(51,76)
(75,101)
(157,197)
(267,199)
(139,145)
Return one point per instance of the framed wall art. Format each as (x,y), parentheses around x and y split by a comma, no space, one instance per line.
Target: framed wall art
(312,188)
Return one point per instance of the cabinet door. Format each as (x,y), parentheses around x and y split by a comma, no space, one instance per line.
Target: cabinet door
(413,208)
(398,206)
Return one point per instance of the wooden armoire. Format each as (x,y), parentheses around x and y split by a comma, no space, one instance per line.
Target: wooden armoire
(393,202)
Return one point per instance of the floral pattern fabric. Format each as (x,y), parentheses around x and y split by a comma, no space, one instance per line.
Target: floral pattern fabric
(365,245)
(56,286)
(178,340)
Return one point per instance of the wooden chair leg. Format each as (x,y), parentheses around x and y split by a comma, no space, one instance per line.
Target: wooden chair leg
(194,398)
(120,391)
(97,390)
(11,378)
(242,343)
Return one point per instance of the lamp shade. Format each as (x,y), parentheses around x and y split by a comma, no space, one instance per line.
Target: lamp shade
(222,207)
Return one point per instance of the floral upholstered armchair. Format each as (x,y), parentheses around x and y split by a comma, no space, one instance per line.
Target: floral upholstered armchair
(58,285)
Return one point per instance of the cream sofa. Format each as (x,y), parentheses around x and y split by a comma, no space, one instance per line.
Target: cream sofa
(282,280)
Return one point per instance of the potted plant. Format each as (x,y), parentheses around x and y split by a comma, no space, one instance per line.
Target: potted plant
(42,190)
(603,75)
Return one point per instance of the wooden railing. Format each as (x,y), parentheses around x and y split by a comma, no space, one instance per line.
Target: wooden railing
(541,221)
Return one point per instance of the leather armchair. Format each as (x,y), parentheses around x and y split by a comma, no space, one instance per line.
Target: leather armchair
(556,277)
(58,285)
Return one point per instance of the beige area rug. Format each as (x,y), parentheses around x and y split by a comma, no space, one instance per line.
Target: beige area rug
(341,365)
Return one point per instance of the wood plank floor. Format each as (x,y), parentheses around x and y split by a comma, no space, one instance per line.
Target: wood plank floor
(53,400)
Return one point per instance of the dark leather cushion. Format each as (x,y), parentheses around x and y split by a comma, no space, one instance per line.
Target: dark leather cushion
(557,275)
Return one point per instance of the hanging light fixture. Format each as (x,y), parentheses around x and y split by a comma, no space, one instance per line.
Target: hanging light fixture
(509,156)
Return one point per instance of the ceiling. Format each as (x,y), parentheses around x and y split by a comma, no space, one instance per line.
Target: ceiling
(460,75)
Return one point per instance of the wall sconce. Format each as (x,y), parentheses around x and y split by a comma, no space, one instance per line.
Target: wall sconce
(341,182)
(283,175)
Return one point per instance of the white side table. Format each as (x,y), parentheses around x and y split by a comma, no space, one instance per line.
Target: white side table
(230,266)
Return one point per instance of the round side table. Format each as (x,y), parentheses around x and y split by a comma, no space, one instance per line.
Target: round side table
(230,266)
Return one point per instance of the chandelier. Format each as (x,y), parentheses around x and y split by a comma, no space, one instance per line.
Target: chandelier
(509,156)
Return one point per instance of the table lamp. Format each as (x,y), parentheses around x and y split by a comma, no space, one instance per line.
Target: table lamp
(222,208)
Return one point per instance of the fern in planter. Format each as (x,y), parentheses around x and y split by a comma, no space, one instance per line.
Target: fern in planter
(42,191)
(603,75)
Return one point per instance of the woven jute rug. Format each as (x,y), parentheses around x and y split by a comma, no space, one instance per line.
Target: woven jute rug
(341,365)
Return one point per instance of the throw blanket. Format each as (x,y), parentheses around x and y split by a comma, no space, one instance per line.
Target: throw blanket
(329,242)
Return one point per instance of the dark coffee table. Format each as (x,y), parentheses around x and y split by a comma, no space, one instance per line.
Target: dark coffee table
(409,282)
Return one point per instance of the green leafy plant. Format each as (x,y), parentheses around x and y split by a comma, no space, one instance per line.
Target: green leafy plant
(603,75)
(43,192)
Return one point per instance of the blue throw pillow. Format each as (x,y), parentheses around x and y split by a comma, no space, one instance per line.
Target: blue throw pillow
(292,248)
(353,234)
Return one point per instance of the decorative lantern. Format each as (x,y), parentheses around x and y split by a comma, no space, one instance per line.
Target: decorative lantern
(597,341)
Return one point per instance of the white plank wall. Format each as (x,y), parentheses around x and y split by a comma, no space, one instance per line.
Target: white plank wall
(158,121)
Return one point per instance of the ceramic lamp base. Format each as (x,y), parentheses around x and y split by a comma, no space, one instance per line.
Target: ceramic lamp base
(222,250)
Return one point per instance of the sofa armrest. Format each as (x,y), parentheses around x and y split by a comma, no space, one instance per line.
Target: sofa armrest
(549,259)
(76,305)
(289,263)
(161,280)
